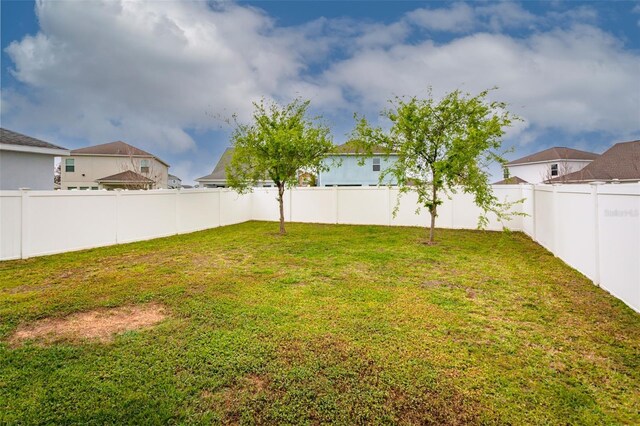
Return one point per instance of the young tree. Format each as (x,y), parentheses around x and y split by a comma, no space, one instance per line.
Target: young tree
(441,146)
(280,141)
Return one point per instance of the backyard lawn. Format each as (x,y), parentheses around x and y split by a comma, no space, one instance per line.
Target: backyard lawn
(328,324)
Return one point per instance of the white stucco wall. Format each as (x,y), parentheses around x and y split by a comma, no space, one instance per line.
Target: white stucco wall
(539,172)
(347,170)
(89,168)
(26,170)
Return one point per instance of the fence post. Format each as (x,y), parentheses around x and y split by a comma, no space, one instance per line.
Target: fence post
(177,210)
(220,206)
(291,203)
(556,224)
(335,198)
(533,212)
(118,192)
(24,226)
(596,230)
(389,213)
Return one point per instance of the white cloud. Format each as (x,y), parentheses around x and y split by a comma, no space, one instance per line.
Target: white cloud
(462,18)
(147,70)
(459,17)
(580,79)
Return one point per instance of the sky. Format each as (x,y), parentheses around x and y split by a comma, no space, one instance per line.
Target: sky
(166,75)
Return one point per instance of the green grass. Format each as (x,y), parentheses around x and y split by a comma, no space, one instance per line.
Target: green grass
(340,324)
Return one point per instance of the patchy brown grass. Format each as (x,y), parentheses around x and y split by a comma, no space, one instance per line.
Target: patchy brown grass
(99,324)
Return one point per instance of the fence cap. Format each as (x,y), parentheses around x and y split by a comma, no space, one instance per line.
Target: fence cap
(598,182)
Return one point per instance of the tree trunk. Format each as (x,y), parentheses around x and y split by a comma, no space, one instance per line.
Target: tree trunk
(434,212)
(433,224)
(281,203)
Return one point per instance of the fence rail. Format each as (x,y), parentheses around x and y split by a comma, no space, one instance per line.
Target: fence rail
(593,228)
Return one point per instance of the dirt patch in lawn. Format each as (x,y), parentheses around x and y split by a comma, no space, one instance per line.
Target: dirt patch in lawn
(100,324)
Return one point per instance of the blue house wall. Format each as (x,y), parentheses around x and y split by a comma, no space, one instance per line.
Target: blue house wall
(352,173)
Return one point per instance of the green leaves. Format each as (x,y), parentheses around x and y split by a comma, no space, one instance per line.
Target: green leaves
(278,143)
(442,146)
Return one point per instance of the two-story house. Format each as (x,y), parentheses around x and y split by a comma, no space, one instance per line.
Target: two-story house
(113,165)
(345,168)
(174,182)
(548,164)
(618,164)
(218,177)
(27,162)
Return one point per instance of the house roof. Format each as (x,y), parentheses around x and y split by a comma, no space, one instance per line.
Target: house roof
(117,148)
(621,162)
(170,176)
(127,176)
(513,180)
(352,147)
(19,142)
(219,172)
(555,153)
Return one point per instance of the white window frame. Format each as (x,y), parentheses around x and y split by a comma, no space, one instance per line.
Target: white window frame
(376,164)
(69,163)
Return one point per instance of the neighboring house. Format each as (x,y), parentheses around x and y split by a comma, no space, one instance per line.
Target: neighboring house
(345,168)
(113,165)
(218,177)
(514,180)
(548,164)
(174,182)
(27,162)
(618,164)
(307,179)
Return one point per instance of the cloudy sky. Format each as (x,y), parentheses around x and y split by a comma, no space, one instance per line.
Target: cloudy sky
(162,75)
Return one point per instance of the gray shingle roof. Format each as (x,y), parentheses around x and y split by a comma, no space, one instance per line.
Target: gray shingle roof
(513,180)
(126,176)
(555,153)
(220,171)
(621,161)
(115,148)
(14,138)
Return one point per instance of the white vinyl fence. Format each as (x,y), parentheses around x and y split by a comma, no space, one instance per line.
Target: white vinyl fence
(593,228)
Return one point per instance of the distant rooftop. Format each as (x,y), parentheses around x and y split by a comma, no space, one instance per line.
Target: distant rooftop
(352,147)
(117,148)
(555,153)
(127,176)
(219,172)
(620,162)
(513,180)
(10,137)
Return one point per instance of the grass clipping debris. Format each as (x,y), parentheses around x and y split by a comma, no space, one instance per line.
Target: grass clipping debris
(100,324)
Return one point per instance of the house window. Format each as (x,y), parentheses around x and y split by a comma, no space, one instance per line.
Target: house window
(94,188)
(71,187)
(144,166)
(554,170)
(84,188)
(505,173)
(69,165)
(376,164)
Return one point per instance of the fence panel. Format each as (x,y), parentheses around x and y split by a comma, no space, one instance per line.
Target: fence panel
(314,205)
(197,209)
(234,208)
(363,206)
(619,242)
(143,215)
(10,225)
(62,221)
(575,228)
